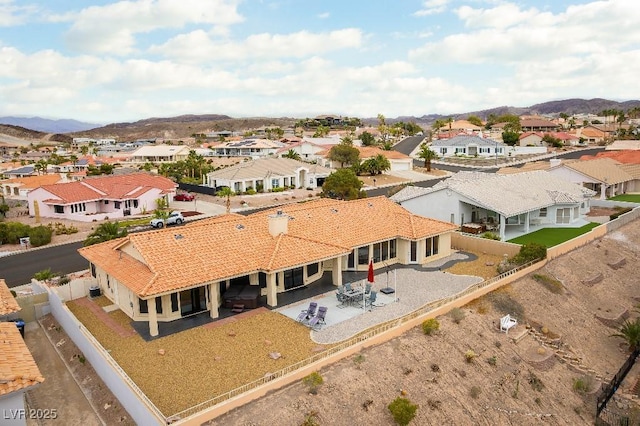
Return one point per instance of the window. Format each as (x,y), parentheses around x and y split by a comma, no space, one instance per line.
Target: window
(351,260)
(363,255)
(116,204)
(377,249)
(159,305)
(106,201)
(543,212)
(576,212)
(312,269)
(563,215)
(174,302)
(262,279)
(93,270)
(135,204)
(275,183)
(443,150)
(414,251)
(144,308)
(432,246)
(385,250)
(58,209)
(293,278)
(392,249)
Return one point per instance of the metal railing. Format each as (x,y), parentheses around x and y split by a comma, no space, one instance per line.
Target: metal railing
(610,388)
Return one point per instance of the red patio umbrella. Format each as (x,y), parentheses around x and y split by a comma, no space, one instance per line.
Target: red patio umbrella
(370,275)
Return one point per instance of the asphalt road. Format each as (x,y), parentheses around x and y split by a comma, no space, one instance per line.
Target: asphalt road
(18,269)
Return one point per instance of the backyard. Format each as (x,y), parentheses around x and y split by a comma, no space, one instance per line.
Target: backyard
(630,198)
(550,237)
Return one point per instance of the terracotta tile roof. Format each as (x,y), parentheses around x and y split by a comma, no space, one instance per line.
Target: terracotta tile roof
(232,245)
(625,157)
(8,304)
(372,151)
(35,181)
(18,370)
(108,187)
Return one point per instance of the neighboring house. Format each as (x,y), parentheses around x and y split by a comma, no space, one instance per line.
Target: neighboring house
(526,167)
(20,172)
(602,175)
(18,188)
(268,174)
(567,139)
(592,134)
(397,160)
(504,202)
(538,125)
(18,370)
(82,164)
(470,146)
(173,273)
(101,197)
(532,139)
(159,154)
(620,145)
(254,148)
(308,151)
(458,127)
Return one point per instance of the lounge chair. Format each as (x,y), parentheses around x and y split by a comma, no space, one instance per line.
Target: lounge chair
(308,313)
(507,322)
(319,319)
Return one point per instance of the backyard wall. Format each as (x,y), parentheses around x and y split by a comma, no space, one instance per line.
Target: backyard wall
(483,245)
(130,396)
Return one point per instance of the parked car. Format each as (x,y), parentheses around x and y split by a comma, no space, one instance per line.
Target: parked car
(175,218)
(184,196)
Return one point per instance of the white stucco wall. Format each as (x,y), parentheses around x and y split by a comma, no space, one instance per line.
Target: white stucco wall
(12,410)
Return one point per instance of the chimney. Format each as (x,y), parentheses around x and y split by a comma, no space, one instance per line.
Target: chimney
(555,162)
(278,223)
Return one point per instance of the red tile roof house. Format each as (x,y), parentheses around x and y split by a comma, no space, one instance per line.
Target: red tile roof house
(182,272)
(100,198)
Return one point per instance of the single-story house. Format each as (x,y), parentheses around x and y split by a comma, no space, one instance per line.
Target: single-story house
(18,188)
(18,370)
(22,171)
(268,174)
(602,175)
(308,151)
(170,274)
(532,139)
(397,160)
(470,146)
(623,145)
(100,198)
(254,148)
(514,201)
(159,154)
(538,125)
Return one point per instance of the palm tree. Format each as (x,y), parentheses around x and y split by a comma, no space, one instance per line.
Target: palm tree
(226,192)
(105,232)
(630,331)
(292,154)
(427,155)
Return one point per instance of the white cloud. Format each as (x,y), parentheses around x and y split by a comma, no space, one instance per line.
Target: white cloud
(112,28)
(198,46)
(11,14)
(324,15)
(432,7)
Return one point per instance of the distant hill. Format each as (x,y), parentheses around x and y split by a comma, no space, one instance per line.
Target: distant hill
(48,126)
(16,135)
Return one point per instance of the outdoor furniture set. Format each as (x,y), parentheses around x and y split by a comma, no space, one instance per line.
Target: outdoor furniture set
(311,317)
(349,295)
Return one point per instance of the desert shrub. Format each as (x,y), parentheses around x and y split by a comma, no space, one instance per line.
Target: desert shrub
(535,382)
(620,211)
(313,382)
(550,283)
(435,368)
(39,236)
(505,304)
(430,326)
(402,410)
(64,280)
(311,419)
(492,361)
(583,384)
(251,191)
(457,315)
(475,392)
(61,229)
(44,275)
(490,236)
(434,404)
(529,252)
(358,359)
(279,189)
(11,232)
(470,355)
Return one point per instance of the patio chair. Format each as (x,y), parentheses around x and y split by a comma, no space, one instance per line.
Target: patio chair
(507,322)
(308,313)
(347,287)
(367,288)
(369,301)
(342,298)
(319,319)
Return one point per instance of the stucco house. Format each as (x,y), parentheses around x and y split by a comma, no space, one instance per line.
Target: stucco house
(397,160)
(159,154)
(18,188)
(470,146)
(18,370)
(101,197)
(602,175)
(253,147)
(308,151)
(504,203)
(531,139)
(169,274)
(268,174)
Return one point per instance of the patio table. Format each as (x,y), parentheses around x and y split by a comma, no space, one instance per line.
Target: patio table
(355,295)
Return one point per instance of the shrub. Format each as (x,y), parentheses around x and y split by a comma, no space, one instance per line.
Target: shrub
(13,293)
(435,368)
(64,280)
(313,382)
(470,355)
(358,359)
(279,189)
(490,236)
(11,232)
(550,283)
(311,419)
(620,211)
(402,410)
(583,384)
(535,382)
(475,392)
(430,326)
(44,275)
(492,361)
(39,236)
(529,252)
(457,315)
(251,191)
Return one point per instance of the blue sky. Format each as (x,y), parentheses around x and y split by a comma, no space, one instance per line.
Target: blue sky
(106,61)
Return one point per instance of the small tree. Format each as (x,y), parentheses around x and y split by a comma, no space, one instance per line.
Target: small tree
(105,232)
(402,410)
(292,154)
(227,192)
(343,184)
(313,382)
(427,154)
(367,139)
(40,235)
(44,275)
(630,332)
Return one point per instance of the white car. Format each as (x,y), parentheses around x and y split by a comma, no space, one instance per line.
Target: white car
(173,218)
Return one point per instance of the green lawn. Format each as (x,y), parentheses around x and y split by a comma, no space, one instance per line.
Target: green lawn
(553,236)
(632,198)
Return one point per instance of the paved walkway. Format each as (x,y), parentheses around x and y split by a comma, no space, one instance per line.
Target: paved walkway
(59,391)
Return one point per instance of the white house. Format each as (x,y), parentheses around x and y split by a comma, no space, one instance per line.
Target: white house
(254,148)
(504,203)
(602,175)
(268,174)
(159,154)
(469,146)
(308,151)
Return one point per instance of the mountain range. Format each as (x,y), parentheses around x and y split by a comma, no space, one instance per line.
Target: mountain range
(187,125)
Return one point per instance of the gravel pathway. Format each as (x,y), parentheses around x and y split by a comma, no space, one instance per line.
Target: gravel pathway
(416,286)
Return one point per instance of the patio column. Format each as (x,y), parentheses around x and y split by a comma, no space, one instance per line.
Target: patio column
(526,223)
(214,290)
(272,292)
(153,317)
(603,191)
(336,271)
(503,227)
